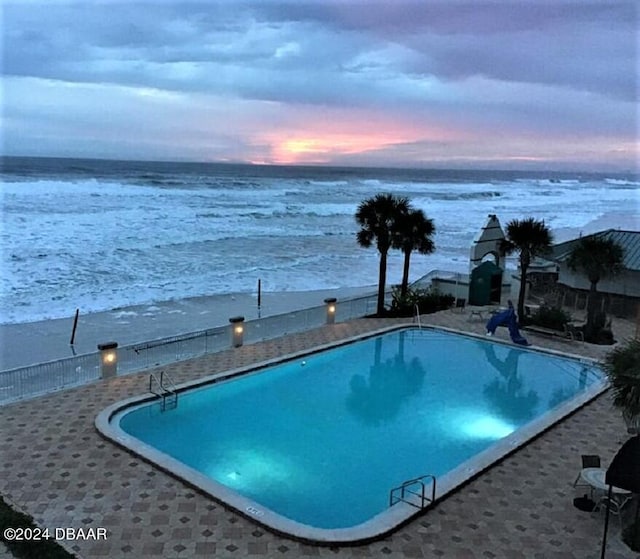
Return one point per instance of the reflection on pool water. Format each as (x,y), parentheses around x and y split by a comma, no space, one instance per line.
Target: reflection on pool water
(486,427)
(323,438)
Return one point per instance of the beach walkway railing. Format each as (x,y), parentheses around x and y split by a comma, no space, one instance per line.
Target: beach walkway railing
(43,378)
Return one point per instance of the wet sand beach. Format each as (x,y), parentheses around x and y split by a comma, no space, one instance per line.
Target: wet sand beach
(37,342)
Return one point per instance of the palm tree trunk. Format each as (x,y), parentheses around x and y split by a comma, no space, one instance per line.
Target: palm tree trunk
(377,352)
(382,278)
(401,342)
(592,306)
(523,290)
(405,274)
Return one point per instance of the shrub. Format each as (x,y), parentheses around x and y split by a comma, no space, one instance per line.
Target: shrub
(622,367)
(550,317)
(598,331)
(428,301)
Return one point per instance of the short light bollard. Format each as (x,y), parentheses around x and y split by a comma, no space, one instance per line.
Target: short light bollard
(237,330)
(108,359)
(331,310)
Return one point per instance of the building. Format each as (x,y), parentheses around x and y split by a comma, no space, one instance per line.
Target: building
(627,283)
(551,278)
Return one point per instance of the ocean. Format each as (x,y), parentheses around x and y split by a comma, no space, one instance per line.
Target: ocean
(99,235)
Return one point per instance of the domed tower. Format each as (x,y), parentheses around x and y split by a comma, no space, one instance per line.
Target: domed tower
(487,242)
(485,282)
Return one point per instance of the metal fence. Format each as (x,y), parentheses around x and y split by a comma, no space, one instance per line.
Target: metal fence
(24,382)
(34,380)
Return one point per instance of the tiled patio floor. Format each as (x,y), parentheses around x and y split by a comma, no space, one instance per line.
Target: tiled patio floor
(57,468)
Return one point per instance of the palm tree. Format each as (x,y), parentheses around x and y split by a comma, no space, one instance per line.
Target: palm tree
(596,258)
(622,367)
(414,233)
(530,238)
(379,218)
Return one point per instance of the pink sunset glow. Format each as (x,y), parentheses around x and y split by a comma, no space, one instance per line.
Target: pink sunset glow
(342,135)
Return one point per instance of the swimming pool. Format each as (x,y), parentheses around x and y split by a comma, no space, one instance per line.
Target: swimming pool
(313,445)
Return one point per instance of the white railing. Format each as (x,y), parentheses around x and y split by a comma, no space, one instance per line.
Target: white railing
(43,378)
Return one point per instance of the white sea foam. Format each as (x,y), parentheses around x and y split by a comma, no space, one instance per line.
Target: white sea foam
(623,182)
(103,242)
(123,314)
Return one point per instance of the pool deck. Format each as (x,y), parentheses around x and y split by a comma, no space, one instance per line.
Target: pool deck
(57,468)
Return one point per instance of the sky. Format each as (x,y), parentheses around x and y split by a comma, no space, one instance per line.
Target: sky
(500,84)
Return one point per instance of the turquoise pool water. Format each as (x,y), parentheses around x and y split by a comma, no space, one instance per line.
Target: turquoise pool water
(323,439)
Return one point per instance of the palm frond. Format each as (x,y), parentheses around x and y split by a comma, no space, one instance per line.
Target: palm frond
(622,367)
(378,218)
(528,236)
(414,232)
(596,258)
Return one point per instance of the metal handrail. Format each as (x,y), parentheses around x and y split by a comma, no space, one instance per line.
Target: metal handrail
(137,348)
(171,384)
(153,377)
(165,392)
(416,316)
(404,489)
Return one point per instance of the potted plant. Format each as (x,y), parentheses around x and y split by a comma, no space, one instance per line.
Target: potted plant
(622,367)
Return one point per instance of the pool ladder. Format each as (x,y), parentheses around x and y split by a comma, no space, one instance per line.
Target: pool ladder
(416,316)
(414,492)
(165,389)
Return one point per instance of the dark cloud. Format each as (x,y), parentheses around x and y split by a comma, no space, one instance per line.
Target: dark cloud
(586,46)
(582,45)
(531,66)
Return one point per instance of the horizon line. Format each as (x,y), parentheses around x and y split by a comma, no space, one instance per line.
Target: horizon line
(406,167)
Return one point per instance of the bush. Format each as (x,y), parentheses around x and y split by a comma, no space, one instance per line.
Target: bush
(598,331)
(622,367)
(428,301)
(550,317)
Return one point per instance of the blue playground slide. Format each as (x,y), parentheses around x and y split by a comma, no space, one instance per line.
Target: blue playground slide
(507,318)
